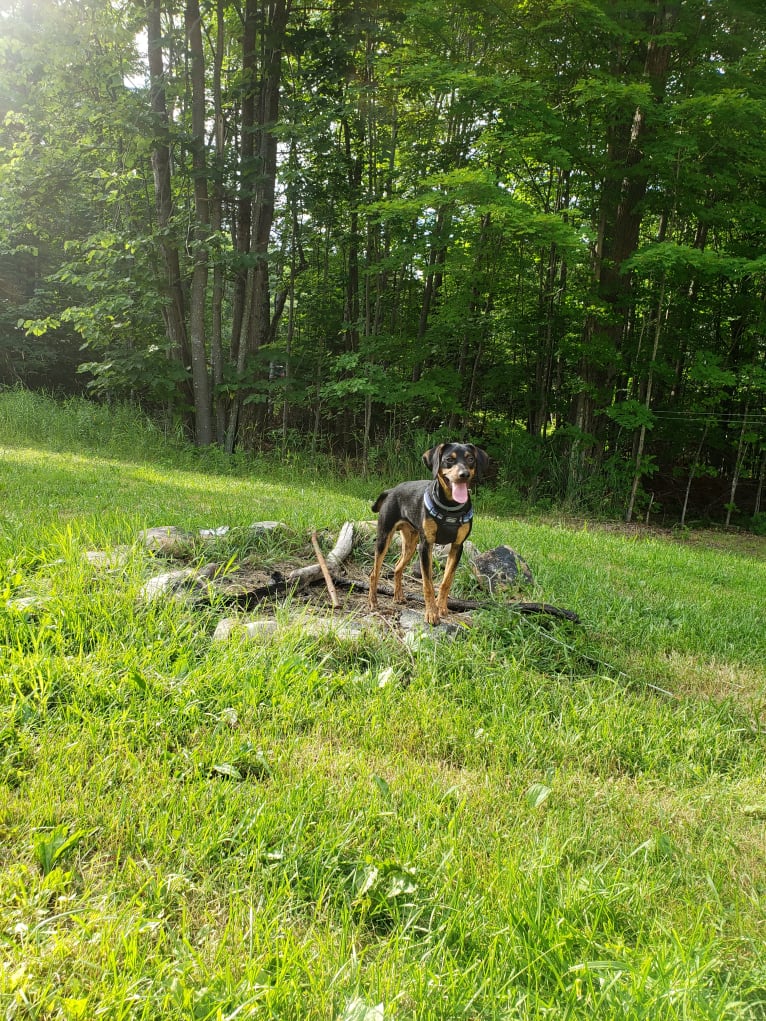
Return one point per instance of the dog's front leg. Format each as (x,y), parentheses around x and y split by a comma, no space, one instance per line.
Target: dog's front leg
(426,572)
(453,559)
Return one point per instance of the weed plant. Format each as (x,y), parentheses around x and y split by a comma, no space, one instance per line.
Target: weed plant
(537,820)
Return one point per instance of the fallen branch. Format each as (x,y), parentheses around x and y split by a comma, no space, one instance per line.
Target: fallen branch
(470,604)
(343,546)
(325,572)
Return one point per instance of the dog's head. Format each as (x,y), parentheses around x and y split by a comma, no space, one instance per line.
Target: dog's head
(457,466)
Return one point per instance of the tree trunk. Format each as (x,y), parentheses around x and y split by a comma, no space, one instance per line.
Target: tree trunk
(242,225)
(200,378)
(624,188)
(174,311)
(761,479)
(691,475)
(433,282)
(256,323)
(216,221)
(354,180)
(741,445)
(647,405)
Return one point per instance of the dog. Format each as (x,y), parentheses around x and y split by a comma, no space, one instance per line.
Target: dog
(429,511)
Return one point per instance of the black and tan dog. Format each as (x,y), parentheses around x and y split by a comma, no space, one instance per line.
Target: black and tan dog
(430,511)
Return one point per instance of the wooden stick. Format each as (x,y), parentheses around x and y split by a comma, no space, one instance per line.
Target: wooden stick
(341,550)
(327,579)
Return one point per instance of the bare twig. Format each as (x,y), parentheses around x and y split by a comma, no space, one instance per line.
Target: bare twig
(325,572)
(340,551)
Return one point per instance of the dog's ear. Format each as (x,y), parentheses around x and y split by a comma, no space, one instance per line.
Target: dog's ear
(432,458)
(482,460)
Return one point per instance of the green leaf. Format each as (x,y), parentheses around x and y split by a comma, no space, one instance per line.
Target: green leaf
(537,794)
(631,414)
(359,1010)
(50,846)
(382,786)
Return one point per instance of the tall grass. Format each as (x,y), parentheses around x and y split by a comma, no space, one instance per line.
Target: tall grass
(537,820)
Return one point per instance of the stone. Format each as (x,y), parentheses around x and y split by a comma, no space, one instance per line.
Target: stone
(188,584)
(27,606)
(414,620)
(109,560)
(230,627)
(498,568)
(167,540)
(264,527)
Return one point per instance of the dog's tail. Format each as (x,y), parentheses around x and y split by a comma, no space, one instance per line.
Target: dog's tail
(379,502)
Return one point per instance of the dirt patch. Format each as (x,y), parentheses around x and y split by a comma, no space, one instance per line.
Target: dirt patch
(351,585)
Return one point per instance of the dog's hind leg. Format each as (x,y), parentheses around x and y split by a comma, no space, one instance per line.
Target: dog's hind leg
(381,548)
(409,545)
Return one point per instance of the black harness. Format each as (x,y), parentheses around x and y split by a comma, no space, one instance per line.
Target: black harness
(448,519)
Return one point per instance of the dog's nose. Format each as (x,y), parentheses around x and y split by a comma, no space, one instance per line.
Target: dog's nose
(464,474)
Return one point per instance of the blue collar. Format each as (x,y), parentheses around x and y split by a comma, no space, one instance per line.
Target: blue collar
(441,512)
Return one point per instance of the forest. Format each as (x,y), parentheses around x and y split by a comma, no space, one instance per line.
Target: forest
(348,226)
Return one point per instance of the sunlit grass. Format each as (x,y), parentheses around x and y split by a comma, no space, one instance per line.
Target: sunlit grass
(539,820)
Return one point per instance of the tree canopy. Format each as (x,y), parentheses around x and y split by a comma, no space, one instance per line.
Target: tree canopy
(347,224)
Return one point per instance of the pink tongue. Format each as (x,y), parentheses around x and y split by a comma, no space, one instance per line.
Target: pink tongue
(459,492)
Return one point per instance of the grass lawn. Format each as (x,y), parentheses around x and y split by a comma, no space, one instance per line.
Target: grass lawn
(538,820)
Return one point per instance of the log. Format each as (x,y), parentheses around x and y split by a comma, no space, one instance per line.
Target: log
(343,546)
(470,604)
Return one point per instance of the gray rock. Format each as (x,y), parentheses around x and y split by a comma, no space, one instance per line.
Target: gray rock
(231,627)
(414,620)
(263,527)
(188,584)
(26,606)
(168,540)
(499,568)
(109,560)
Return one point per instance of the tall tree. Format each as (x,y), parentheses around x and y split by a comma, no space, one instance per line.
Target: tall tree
(201,236)
(174,309)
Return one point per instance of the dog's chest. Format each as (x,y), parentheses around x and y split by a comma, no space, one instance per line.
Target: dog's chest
(446,530)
